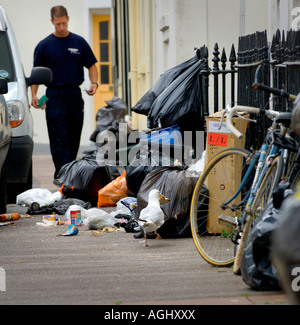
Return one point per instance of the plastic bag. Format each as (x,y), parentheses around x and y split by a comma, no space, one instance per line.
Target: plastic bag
(82,179)
(96,219)
(147,160)
(144,104)
(39,195)
(108,116)
(198,167)
(110,194)
(174,184)
(126,213)
(180,102)
(59,207)
(257,268)
(286,245)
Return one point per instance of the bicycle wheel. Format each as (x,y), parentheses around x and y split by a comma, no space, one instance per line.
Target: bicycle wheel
(212,217)
(263,195)
(267,186)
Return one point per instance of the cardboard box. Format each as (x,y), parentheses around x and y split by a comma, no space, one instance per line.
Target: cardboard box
(229,181)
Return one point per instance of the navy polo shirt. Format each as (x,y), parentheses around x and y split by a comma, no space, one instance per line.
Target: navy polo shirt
(66,57)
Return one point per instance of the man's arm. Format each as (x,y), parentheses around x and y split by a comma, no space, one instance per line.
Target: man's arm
(93,75)
(34,98)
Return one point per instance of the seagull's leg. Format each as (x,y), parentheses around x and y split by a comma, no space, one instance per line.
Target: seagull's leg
(145,235)
(157,235)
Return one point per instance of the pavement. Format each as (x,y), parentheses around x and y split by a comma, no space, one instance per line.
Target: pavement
(109,268)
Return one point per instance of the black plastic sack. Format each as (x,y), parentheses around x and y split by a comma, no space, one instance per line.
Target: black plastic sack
(176,184)
(286,245)
(180,102)
(82,179)
(146,160)
(59,207)
(144,104)
(107,116)
(257,269)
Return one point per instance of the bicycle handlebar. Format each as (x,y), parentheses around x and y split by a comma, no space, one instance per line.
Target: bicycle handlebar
(249,109)
(231,111)
(278,92)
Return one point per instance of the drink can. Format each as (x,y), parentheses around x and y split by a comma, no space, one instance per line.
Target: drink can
(75,217)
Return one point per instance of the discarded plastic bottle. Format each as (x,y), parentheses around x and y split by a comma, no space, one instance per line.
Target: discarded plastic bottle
(8,217)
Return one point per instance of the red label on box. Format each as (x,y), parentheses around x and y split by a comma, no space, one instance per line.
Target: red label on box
(217,139)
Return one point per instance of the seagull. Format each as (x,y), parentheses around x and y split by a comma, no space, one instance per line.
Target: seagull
(152,216)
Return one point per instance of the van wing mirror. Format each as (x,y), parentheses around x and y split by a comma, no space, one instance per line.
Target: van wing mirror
(39,76)
(3,86)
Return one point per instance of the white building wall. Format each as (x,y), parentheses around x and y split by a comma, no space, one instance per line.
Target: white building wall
(183,25)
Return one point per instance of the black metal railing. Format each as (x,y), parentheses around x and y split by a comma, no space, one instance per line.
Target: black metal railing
(280,61)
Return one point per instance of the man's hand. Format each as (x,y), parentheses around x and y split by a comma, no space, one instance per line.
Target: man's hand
(92,90)
(35,102)
(93,75)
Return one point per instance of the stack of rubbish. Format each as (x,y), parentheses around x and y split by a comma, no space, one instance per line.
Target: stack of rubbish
(172,105)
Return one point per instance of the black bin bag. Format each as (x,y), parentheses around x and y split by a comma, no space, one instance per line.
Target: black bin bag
(257,268)
(286,246)
(107,116)
(176,184)
(82,179)
(180,102)
(146,160)
(144,104)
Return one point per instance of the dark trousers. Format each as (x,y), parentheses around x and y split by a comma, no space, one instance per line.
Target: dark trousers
(64,114)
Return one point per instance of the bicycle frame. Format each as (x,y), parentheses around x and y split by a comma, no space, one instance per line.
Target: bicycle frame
(264,161)
(266,152)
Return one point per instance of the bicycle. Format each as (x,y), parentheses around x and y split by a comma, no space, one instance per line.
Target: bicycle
(232,202)
(270,171)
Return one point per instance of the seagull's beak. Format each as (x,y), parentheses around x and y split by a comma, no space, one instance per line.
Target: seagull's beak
(163,199)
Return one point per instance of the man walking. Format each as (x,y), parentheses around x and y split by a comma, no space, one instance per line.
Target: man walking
(66,54)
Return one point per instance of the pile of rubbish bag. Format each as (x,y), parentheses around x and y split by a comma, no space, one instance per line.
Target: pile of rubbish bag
(175,98)
(176,185)
(257,267)
(172,105)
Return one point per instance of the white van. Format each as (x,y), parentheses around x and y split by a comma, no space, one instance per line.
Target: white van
(19,160)
(5,141)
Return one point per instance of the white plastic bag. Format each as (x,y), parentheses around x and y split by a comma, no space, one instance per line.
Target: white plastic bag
(54,197)
(198,166)
(98,219)
(39,195)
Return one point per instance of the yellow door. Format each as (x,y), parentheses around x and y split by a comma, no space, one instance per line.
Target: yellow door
(103,53)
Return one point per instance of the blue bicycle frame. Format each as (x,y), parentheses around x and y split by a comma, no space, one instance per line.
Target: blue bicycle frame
(259,159)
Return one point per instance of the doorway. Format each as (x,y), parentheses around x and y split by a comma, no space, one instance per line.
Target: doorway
(102,48)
